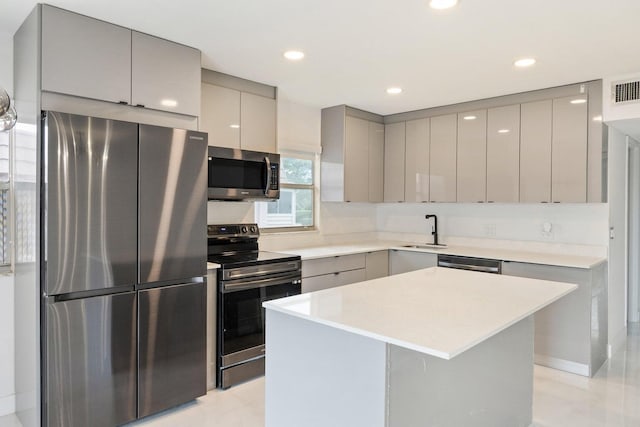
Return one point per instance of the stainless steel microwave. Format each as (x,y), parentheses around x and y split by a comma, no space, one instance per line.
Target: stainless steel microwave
(243,175)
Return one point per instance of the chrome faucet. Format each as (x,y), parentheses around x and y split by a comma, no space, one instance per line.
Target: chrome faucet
(434,229)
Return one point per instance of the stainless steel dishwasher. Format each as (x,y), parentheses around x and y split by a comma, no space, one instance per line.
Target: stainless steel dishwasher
(469,263)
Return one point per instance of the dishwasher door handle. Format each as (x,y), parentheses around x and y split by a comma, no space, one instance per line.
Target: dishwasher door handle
(482,269)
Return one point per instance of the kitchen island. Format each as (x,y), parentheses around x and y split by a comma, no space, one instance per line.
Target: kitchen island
(436,347)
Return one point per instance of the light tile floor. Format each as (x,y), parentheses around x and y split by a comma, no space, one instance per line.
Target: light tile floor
(610,399)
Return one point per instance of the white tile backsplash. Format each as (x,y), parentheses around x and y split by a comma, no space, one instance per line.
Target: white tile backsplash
(573,224)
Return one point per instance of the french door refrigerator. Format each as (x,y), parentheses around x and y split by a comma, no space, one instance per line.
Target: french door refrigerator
(123,291)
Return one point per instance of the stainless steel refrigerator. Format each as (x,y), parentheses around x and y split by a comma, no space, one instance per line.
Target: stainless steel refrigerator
(123,283)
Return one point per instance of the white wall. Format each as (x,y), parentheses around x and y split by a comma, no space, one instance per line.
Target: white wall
(7,364)
(633,299)
(617,190)
(571,224)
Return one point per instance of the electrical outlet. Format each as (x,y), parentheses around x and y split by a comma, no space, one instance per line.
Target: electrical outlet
(547,230)
(490,230)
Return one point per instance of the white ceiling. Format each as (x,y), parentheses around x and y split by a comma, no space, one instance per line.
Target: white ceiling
(356,49)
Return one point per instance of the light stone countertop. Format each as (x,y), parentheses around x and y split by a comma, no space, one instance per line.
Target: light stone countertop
(562,260)
(438,311)
(212,266)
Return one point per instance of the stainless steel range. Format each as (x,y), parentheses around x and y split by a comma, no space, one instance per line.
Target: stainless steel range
(247,277)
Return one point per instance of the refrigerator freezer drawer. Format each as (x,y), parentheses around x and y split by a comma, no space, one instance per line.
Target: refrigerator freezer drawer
(91,361)
(172,346)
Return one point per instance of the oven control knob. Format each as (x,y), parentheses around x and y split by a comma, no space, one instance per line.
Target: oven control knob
(253,229)
(244,229)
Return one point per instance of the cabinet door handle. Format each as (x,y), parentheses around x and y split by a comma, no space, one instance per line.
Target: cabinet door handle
(140,105)
(123,102)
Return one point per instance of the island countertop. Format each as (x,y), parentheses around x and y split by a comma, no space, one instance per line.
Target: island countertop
(437,311)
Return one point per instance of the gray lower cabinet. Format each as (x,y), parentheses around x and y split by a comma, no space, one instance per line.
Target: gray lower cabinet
(570,334)
(404,261)
(331,280)
(376,264)
(329,272)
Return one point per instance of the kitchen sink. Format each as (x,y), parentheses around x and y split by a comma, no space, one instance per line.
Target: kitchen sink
(425,246)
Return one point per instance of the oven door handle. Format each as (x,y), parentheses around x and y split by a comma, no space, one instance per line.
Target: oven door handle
(244,284)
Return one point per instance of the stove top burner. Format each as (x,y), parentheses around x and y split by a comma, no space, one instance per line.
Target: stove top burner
(236,245)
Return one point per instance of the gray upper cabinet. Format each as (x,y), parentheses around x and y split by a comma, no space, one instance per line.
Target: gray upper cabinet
(376,162)
(472,156)
(535,152)
(258,123)
(569,150)
(442,158)
(93,59)
(356,160)
(503,154)
(164,75)
(352,159)
(394,157)
(85,57)
(534,147)
(220,115)
(238,113)
(416,183)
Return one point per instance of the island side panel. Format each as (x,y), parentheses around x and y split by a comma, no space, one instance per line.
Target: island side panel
(489,385)
(319,376)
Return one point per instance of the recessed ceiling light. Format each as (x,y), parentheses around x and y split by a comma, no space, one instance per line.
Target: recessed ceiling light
(524,62)
(469,117)
(442,4)
(234,126)
(394,90)
(294,55)
(503,131)
(578,101)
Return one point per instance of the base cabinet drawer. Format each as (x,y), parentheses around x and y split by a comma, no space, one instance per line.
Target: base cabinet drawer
(319,266)
(326,281)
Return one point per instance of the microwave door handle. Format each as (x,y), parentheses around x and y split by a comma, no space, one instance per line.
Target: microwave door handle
(266,186)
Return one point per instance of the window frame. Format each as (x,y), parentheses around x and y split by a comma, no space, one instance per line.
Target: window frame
(314,193)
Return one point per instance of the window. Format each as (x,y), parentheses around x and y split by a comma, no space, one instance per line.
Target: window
(295,208)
